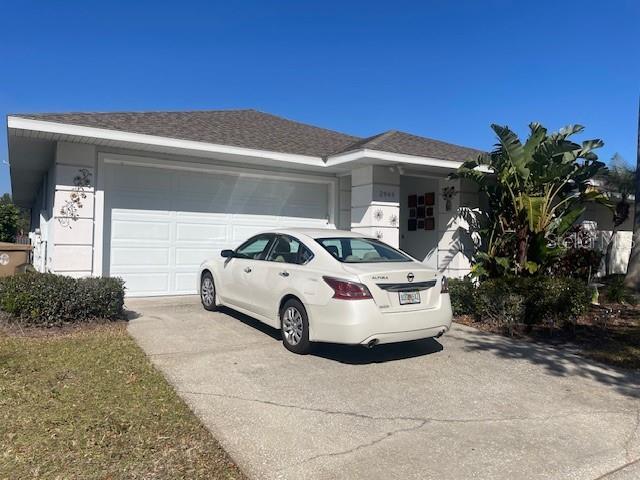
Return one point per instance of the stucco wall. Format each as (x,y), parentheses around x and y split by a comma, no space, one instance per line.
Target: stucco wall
(344,202)
(72,227)
(455,247)
(375,207)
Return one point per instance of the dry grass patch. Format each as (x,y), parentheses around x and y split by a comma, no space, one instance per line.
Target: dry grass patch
(86,403)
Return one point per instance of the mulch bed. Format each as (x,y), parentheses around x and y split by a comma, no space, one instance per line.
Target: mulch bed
(609,333)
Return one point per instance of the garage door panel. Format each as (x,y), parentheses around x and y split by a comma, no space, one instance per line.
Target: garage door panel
(140,230)
(164,223)
(239,233)
(193,257)
(185,283)
(198,232)
(147,283)
(295,222)
(202,217)
(140,215)
(129,257)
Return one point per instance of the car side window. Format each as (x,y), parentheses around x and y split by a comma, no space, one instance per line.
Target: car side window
(255,248)
(334,247)
(289,250)
(304,255)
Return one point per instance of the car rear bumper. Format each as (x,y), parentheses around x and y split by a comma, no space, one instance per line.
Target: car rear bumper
(361,322)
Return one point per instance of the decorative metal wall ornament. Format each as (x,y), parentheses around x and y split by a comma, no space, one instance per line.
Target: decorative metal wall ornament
(378,215)
(393,221)
(379,234)
(71,208)
(447,194)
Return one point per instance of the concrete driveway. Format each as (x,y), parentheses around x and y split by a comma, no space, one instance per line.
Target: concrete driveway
(469,405)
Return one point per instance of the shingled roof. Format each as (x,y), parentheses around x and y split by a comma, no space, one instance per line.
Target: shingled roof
(257,130)
(395,141)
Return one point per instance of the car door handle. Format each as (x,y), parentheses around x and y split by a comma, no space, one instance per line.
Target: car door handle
(247,270)
(284,274)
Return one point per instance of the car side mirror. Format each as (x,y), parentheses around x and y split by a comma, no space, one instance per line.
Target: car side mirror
(227,253)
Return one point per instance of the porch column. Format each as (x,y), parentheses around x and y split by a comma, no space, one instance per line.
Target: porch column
(375,202)
(455,246)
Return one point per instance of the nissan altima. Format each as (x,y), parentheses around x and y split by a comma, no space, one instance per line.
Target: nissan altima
(328,286)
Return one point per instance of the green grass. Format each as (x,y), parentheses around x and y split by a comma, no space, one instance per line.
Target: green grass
(88,404)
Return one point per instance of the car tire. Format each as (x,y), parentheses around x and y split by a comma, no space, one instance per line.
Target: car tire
(294,327)
(208,292)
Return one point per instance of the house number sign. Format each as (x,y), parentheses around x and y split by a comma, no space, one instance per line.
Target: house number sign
(387,195)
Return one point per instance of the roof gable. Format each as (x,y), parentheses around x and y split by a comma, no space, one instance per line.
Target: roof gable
(394,141)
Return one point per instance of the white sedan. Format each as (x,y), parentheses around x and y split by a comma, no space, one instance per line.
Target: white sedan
(328,286)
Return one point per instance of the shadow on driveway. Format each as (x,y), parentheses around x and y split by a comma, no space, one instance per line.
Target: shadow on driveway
(556,361)
(359,355)
(350,354)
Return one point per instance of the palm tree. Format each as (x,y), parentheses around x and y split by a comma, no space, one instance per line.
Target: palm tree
(620,184)
(632,280)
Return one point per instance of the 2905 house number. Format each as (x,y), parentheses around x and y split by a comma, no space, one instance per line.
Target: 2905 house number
(387,195)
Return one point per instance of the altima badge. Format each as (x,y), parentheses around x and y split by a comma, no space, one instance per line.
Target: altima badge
(410,277)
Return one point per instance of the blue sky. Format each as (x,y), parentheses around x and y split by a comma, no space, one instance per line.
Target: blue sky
(445,70)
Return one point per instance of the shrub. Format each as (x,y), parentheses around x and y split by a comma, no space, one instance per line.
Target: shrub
(577,263)
(461,291)
(556,300)
(47,299)
(498,302)
(616,292)
(534,300)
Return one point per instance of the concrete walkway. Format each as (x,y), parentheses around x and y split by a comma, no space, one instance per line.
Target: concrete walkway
(469,405)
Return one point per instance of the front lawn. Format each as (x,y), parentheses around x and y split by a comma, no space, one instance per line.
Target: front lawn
(86,403)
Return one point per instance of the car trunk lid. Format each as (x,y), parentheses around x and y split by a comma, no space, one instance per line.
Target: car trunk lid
(390,284)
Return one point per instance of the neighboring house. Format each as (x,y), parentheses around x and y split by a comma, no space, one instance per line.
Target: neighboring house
(599,220)
(148,195)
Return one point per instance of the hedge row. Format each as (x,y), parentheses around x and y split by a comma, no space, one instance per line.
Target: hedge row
(47,299)
(521,300)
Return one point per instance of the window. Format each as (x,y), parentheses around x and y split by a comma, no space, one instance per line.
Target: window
(361,250)
(289,250)
(255,248)
(333,246)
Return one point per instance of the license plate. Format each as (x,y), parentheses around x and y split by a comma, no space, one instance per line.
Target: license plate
(409,297)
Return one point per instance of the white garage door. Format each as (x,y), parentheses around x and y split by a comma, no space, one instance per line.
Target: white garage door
(164,223)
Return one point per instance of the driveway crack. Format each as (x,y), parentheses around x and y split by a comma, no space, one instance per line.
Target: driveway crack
(409,418)
(306,409)
(361,446)
(418,422)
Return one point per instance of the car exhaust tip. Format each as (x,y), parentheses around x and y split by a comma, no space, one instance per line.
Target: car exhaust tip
(372,343)
(440,333)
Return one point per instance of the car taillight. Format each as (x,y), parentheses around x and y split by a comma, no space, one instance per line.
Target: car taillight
(346,290)
(445,285)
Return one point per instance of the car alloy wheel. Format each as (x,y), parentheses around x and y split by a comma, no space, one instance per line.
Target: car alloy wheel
(292,326)
(208,292)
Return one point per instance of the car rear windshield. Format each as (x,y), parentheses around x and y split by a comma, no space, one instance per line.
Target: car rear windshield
(361,250)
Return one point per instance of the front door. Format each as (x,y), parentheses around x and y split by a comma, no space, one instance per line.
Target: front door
(419,219)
